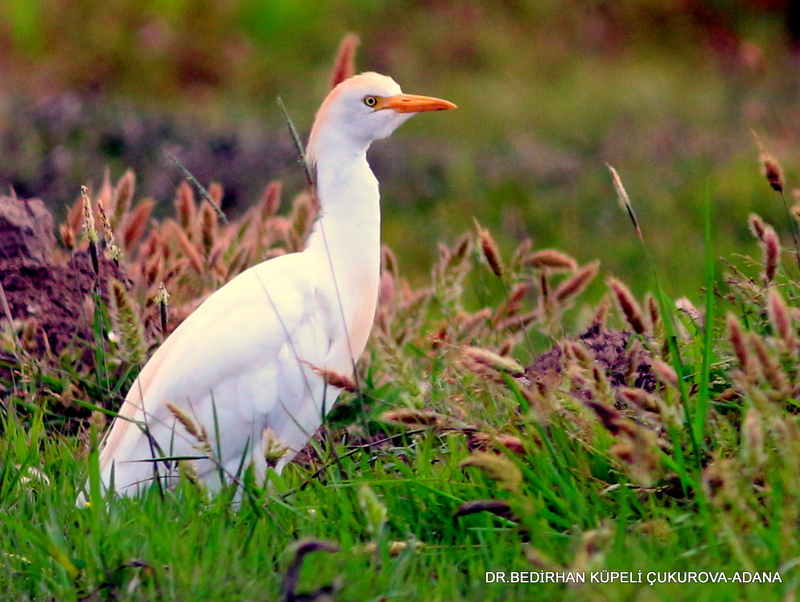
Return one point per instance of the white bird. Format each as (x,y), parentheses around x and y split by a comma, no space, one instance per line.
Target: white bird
(243,360)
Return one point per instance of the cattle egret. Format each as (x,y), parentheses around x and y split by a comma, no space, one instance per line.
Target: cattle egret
(243,360)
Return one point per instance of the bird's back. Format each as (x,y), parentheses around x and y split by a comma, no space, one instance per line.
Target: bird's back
(243,361)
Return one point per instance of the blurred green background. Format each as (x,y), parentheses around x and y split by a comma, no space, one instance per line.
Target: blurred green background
(549,91)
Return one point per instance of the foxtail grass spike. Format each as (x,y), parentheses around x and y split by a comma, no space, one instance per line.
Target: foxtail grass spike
(774,175)
(625,201)
(577,283)
(162,299)
(108,234)
(123,194)
(490,251)
(127,323)
(628,304)
(550,258)
(344,65)
(89,229)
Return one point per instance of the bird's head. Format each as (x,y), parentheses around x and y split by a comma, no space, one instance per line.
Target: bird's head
(366,107)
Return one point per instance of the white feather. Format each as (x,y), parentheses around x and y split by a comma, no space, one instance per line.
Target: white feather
(243,359)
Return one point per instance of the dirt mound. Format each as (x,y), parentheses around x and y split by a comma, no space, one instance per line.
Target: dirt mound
(53,294)
(610,349)
(26,230)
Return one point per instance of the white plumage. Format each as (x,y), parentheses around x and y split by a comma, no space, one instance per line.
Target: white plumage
(246,353)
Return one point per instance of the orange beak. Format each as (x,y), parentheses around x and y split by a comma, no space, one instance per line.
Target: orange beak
(412,103)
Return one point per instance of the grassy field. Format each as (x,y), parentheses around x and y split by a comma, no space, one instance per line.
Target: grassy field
(670,450)
(519,409)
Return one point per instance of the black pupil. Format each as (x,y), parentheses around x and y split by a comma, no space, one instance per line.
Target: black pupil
(371,101)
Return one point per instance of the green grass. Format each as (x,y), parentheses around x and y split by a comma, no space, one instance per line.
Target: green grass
(186,547)
(718,491)
(704,476)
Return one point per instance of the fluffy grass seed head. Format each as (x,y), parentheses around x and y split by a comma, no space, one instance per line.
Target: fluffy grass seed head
(344,65)
(550,258)
(576,284)
(780,319)
(127,323)
(771,250)
(89,230)
(770,167)
(272,448)
(490,250)
(108,234)
(628,304)
(498,468)
(123,197)
(195,430)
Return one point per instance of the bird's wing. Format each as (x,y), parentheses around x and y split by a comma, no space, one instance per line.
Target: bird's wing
(235,362)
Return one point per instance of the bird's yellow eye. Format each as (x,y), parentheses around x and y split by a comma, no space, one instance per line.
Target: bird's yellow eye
(370,101)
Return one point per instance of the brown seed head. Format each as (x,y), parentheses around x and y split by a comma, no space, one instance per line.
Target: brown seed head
(769,165)
(185,206)
(334,379)
(550,258)
(411,417)
(780,319)
(577,283)
(601,312)
(654,313)
(67,236)
(208,227)
(757,225)
(271,200)
(490,250)
(498,468)
(665,373)
(123,197)
(108,233)
(772,171)
(736,336)
(753,438)
(135,224)
(195,430)
(612,419)
(770,367)
(89,230)
(190,251)
(492,360)
(344,64)
(628,304)
(771,249)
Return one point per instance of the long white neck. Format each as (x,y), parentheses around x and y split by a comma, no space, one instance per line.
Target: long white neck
(346,238)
